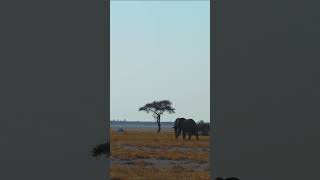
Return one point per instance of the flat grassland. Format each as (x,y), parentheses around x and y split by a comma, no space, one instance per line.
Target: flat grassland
(148,155)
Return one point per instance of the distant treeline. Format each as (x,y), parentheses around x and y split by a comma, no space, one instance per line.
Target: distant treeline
(203,127)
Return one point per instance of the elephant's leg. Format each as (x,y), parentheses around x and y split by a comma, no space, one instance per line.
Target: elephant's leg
(197,136)
(183,134)
(179,132)
(189,135)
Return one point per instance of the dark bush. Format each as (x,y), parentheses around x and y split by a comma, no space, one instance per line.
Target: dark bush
(204,128)
(101,149)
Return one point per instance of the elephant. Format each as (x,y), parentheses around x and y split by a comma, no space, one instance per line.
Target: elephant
(186,126)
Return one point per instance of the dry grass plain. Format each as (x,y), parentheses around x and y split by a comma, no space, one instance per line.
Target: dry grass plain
(148,155)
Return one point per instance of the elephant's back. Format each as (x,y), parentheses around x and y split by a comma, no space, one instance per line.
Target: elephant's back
(186,124)
(190,124)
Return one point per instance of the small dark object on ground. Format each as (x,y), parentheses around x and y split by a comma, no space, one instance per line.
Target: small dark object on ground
(231,178)
(101,149)
(219,178)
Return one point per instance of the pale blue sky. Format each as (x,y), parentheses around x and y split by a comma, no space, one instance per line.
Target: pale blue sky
(160,50)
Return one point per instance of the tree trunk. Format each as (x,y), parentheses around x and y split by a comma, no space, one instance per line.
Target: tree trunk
(159,126)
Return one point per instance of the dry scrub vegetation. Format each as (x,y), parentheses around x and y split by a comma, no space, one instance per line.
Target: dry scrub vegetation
(138,149)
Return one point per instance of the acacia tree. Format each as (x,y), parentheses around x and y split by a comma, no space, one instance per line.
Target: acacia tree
(158,108)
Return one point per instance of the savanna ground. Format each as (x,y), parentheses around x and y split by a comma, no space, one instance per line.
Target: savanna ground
(148,155)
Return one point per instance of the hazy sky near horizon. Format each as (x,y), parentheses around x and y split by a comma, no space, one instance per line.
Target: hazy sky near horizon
(160,50)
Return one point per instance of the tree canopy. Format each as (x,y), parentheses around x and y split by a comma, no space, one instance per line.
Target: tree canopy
(158,107)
